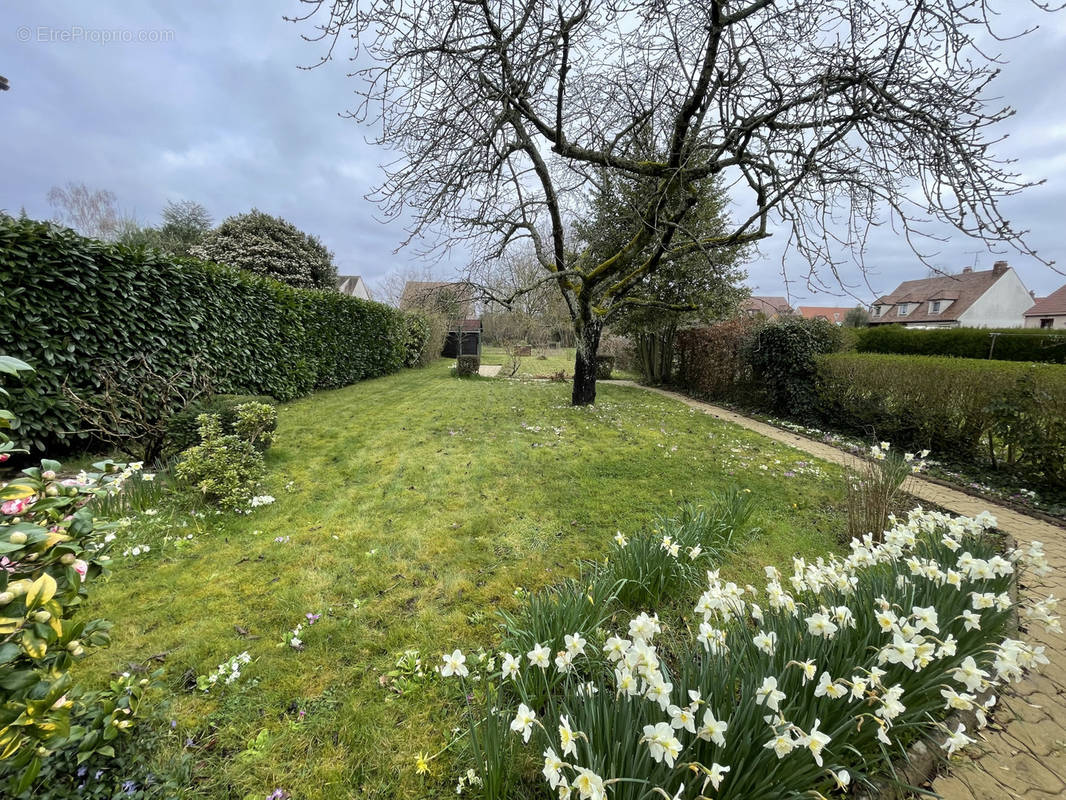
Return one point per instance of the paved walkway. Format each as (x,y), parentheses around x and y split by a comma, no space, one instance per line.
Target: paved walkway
(1023,753)
(487,371)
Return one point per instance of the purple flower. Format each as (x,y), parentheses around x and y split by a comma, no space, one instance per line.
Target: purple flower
(278,794)
(129,787)
(312,618)
(789,474)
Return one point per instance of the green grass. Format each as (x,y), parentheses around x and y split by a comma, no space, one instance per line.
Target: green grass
(545,362)
(416,503)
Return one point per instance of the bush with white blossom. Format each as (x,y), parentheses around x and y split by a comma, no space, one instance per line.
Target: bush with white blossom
(808,687)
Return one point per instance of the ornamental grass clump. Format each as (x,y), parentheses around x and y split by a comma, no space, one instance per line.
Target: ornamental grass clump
(875,492)
(803,689)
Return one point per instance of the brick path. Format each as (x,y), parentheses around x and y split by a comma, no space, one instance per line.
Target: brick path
(1023,753)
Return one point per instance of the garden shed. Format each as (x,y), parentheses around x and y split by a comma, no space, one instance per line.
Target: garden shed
(464,338)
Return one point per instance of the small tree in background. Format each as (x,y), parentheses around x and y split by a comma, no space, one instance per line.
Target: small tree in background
(270,246)
(91,212)
(857,317)
(185,224)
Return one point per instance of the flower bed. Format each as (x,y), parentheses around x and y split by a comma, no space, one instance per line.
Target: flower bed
(813,685)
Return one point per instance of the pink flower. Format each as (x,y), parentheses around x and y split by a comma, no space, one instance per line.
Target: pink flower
(12,507)
(81,567)
(4,457)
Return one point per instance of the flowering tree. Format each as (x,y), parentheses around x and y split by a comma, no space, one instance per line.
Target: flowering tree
(266,245)
(504,113)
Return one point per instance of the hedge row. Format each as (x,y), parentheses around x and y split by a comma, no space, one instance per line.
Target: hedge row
(961,409)
(76,309)
(1003,344)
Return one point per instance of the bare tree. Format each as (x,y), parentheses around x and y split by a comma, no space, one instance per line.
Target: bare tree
(505,112)
(91,212)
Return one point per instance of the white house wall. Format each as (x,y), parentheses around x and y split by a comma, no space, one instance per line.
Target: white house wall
(1002,306)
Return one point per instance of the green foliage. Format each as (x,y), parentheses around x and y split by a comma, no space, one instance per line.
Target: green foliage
(225,467)
(1002,344)
(712,360)
(782,353)
(857,317)
(52,552)
(183,430)
(104,753)
(71,306)
(467,365)
(1010,414)
(271,247)
(423,337)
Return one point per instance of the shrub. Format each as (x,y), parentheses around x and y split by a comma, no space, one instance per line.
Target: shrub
(782,355)
(604,367)
(78,305)
(1004,344)
(1007,414)
(424,335)
(51,554)
(712,362)
(183,431)
(271,247)
(814,688)
(225,468)
(468,365)
(874,494)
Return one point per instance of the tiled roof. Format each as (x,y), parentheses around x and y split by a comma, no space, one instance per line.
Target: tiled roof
(831,313)
(962,289)
(766,305)
(1051,306)
(419,294)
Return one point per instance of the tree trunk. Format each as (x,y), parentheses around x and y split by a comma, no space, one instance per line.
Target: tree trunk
(588,344)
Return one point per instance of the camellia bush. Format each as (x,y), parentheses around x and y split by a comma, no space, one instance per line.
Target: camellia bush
(810,686)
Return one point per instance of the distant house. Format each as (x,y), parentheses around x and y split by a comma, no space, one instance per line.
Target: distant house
(1049,312)
(353,286)
(994,298)
(769,307)
(834,314)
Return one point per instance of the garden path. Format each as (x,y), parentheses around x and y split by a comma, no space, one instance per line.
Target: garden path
(489,370)
(1023,753)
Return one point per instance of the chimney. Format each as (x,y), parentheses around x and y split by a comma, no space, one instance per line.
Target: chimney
(967,270)
(999,267)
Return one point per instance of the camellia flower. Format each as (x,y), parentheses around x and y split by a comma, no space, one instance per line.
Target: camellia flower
(454,664)
(81,567)
(523,722)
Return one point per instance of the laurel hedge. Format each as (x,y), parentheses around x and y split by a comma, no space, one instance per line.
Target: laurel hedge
(1001,344)
(974,410)
(75,308)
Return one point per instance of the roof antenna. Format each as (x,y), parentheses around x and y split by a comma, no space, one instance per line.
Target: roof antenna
(976,257)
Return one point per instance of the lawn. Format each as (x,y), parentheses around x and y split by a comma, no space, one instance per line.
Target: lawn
(544,362)
(408,510)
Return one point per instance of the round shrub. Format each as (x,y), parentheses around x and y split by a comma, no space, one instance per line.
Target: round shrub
(183,430)
(271,247)
(782,356)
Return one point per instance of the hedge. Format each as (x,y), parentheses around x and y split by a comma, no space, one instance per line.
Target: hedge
(74,308)
(1005,412)
(1011,344)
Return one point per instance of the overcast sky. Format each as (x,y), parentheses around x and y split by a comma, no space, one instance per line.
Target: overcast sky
(206,102)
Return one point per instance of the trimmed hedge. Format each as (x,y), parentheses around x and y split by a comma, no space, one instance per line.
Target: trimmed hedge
(74,307)
(1007,413)
(1012,344)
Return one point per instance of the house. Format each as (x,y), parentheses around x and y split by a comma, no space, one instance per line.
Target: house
(1049,312)
(768,307)
(353,286)
(834,314)
(993,298)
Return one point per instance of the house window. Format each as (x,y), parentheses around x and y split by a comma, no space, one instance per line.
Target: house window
(1047,322)
(934,306)
(904,309)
